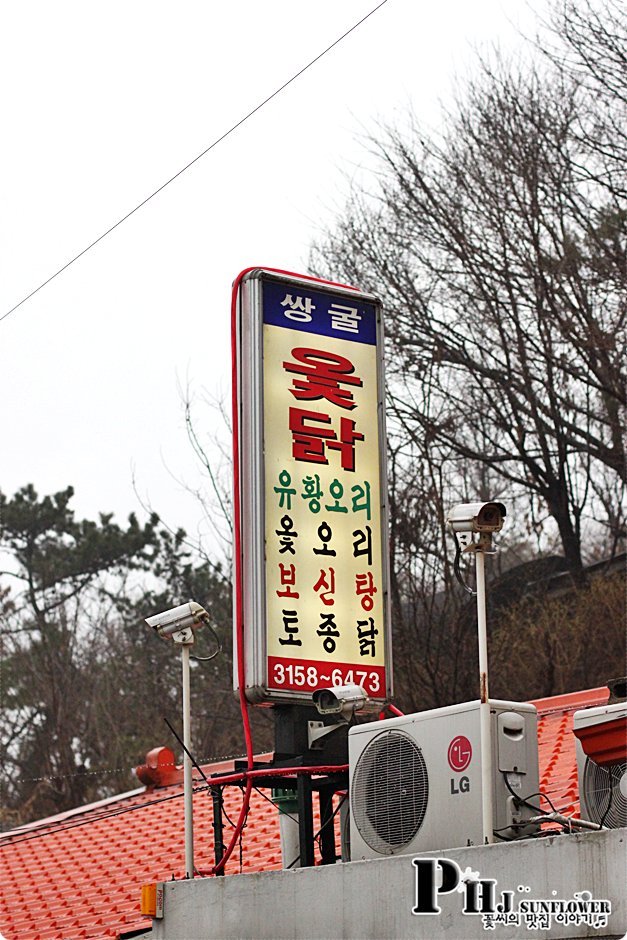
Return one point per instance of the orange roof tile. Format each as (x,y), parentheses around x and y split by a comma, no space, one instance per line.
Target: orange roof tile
(556,745)
(79,874)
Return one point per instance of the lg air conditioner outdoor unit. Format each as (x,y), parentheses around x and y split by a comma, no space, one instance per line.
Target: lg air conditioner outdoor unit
(602,763)
(415,781)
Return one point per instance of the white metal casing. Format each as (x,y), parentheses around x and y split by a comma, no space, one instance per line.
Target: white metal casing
(594,804)
(477,517)
(393,762)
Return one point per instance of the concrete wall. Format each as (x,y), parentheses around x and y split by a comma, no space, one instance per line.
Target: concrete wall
(374,899)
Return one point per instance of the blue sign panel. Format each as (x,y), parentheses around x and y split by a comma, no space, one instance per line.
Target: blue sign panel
(302,308)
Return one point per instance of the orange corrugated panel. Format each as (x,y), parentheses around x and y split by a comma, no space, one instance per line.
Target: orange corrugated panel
(572,701)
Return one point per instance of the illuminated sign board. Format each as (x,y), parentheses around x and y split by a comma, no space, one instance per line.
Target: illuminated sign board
(312,488)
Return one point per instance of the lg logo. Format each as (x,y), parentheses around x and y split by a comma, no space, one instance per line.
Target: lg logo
(459,757)
(459,753)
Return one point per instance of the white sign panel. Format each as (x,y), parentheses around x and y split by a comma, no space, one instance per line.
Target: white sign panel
(312,489)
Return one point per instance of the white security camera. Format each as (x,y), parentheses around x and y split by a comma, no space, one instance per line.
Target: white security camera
(183,619)
(477,517)
(340,699)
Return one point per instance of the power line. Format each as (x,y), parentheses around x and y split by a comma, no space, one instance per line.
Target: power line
(7,839)
(195,160)
(115,770)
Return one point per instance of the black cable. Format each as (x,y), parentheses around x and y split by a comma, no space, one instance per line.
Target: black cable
(241,834)
(195,160)
(524,801)
(206,659)
(220,789)
(189,754)
(197,765)
(326,823)
(267,798)
(224,812)
(457,569)
(544,796)
(548,833)
(343,833)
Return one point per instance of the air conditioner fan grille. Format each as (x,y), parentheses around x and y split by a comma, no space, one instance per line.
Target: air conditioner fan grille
(605,798)
(390,791)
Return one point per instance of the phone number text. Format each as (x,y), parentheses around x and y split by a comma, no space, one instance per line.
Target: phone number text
(303,675)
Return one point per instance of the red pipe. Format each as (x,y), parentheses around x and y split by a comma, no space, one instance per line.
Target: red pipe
(395,711)
(249,774)
(240,775)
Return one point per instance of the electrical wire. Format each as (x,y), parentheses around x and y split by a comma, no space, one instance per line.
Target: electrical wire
(524,801)
(457,569)
(7,839)
(237,547)
(195,160)
(201,772)
(187,751)
(63,826)
(346,831)
(325,823)
(224,812)
(241,837)
(206,659)
(544,796)
(249,776)
(268,800)
(114,770)
(84,773)
(238,606)
(512,825)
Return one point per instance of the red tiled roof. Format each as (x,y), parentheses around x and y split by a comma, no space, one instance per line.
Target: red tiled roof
(556,745)
(80,874)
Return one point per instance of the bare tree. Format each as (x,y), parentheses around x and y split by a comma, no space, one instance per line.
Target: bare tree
(500,250)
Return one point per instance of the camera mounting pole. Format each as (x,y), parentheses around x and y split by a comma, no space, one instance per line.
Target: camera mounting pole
(185,639)
(484,702)
(465,520)
(179,625)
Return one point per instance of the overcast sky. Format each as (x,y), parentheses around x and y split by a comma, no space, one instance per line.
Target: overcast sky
(104,102)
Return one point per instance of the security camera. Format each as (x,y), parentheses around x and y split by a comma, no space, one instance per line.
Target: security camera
(477,517)
(183,619)
(340,699)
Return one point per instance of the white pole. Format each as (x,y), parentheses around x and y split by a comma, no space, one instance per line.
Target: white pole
(484,706)
(187,766)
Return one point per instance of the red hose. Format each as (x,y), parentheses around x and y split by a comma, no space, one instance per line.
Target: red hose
(249,774)
(395,711)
